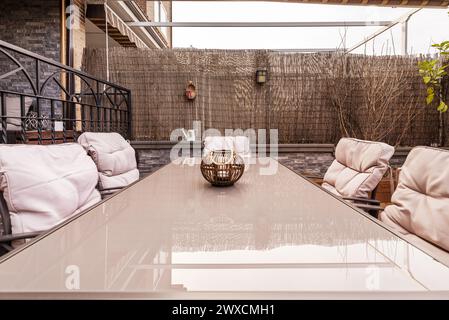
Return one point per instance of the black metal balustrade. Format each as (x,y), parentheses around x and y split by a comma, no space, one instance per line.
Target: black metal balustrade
(45,102)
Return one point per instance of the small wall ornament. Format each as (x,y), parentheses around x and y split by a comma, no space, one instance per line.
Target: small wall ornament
(191,91)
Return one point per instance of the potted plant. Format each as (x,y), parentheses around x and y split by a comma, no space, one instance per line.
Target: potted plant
(433,72)
(435,76)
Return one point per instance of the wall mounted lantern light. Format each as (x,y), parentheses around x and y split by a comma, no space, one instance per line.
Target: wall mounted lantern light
(261,76)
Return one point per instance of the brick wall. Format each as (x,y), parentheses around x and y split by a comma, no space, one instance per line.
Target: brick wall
(143,6)
(33,25)
(151,160)
(150,14)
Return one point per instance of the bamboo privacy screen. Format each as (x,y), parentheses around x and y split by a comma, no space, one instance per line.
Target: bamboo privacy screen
(309,98)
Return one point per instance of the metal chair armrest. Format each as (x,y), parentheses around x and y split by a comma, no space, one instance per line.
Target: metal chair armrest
(369,205)
(373,210)
(109,191)
(106,193)
(311,176)
(364,200)
(19,236)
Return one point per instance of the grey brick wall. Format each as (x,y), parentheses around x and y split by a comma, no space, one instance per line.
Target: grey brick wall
(33,25)
(307,163)
(151,160)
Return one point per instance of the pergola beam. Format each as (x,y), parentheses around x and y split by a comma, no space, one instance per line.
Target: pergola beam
(313,24)
(402,19)
(378,3)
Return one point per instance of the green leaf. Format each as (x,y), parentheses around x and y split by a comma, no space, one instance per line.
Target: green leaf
(430,98)
(427,79)
(424,65)
(442,107)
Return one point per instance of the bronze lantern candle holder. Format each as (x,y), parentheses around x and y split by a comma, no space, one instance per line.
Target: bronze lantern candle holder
(222,167)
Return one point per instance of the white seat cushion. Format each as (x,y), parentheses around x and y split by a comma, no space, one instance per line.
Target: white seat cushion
(114,156)
(358,167)
(421,199)
(44,185)
(119,180)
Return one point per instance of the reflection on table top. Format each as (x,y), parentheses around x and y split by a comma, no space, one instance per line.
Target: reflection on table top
(172,235)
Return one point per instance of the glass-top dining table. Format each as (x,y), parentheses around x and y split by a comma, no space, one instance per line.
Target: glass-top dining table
(172,235)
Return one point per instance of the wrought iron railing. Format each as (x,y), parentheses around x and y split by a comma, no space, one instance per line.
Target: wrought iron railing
(46,102)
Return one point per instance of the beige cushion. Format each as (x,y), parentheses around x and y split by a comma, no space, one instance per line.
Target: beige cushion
(242,146)
(421,199)
(239,144)
(119,180)
(214,143)
(114,157)
(44,185)
(358,167)
(13,110)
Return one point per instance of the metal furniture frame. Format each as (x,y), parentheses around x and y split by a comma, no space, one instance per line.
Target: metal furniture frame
(370,205)
(80,101)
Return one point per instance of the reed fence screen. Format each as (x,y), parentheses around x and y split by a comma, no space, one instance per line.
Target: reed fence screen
(309,98)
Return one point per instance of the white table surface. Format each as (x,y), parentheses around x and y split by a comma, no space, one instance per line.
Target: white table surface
(172,235)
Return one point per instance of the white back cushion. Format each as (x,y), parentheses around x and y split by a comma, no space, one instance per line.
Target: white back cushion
(421,199)
(358,167)
(242,146)
(214,143)
(239,144)
(114,156)
(44,185)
